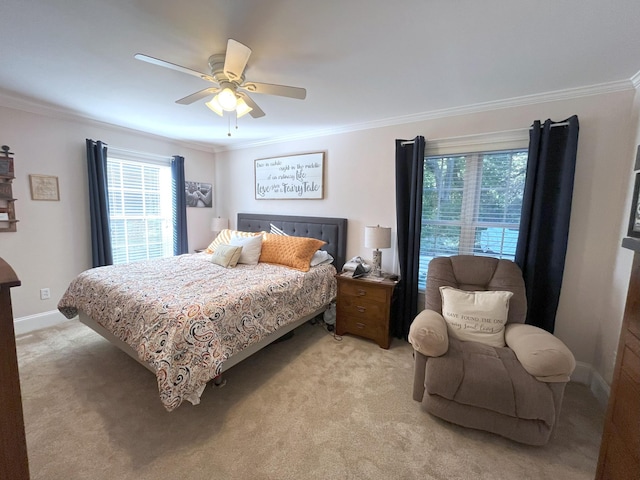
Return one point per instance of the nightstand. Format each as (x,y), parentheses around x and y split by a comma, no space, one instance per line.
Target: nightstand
(363,307)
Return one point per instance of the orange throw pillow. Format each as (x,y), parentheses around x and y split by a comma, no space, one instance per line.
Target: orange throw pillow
(294,252)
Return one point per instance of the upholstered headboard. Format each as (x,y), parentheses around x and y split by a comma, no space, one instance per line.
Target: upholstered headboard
(330,230)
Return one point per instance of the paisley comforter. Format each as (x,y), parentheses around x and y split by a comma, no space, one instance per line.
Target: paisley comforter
(185,315)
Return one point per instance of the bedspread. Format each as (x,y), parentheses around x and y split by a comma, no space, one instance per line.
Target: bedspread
(185,315)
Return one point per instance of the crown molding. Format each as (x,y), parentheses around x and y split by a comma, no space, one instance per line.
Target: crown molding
(635,80)
(554,96)
(27,105)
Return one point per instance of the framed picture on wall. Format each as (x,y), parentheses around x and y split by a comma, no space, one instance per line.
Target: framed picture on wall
(634,216)
(44,187)
(198,194)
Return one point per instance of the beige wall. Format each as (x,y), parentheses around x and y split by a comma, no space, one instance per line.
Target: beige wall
(359,185)
(52,244)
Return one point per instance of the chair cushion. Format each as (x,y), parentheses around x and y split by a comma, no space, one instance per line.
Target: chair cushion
(490,378)
(428,334)
(541,354)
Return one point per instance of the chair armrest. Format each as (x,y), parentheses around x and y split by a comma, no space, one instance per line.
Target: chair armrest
(541,354)
(428,334)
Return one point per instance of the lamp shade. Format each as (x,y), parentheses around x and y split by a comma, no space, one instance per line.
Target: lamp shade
(227,99)
(215,106)
(377,237)
(219,223)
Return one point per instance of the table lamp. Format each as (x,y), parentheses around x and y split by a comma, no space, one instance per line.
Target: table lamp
(218,224)
(377,237)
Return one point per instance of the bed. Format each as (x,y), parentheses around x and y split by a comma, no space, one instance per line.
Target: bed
(189,320)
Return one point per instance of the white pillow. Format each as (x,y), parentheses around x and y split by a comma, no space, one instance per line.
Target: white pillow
(226,256)
(251,248)
(476,316)
(320,257)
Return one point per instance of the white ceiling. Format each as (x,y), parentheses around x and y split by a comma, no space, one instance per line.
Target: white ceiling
(363,62)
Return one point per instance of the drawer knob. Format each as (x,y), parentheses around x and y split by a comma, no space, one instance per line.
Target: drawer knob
(360,325)
(361,292)
(361,309)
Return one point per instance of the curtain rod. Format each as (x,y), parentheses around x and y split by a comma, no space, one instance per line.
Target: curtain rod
(138,154)
(560,124)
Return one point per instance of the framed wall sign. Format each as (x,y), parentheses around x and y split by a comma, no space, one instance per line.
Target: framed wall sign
(44,187)
(299,177)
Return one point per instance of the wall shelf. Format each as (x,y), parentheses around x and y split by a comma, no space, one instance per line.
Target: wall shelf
(8,219)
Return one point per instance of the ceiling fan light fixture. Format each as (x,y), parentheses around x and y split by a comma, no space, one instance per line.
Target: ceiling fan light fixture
(215,106)
(242,108)
(227,99)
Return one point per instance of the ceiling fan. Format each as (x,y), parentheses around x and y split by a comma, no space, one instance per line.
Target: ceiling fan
(230,90)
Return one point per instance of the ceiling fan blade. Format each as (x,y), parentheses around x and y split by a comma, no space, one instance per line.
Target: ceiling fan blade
(281,90)
(235,59)
(194,97)
(173,66)
(256,111)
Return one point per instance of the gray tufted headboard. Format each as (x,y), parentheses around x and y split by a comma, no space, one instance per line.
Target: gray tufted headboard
(331,230)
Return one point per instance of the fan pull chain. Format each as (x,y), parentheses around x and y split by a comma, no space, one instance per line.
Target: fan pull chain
(229,126)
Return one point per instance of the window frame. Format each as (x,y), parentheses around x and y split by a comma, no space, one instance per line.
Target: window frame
(471,145)
(166,210)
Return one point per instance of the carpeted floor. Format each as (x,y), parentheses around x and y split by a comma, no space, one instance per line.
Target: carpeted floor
(310,407)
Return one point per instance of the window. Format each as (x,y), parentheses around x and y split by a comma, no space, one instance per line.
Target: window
(471,205)
(140,210)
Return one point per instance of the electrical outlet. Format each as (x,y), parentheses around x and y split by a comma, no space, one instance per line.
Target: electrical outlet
(45,294)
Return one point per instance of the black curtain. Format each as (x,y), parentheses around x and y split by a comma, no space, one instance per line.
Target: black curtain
(101,253)
(546,209)
(180,243)
(409,180)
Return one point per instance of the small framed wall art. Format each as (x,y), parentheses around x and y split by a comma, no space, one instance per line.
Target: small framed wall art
(634,216)
(44,187)
(198,194)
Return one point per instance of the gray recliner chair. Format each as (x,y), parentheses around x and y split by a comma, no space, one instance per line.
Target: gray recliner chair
(515,390)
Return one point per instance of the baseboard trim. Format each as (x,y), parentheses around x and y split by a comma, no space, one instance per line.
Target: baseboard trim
(586,375)
(38,321)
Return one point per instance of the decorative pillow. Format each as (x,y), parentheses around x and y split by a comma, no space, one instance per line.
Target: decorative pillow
(224,237)
(476,316)
(294,252)
(226,255)
(276,231)
(320,257)
(251,248)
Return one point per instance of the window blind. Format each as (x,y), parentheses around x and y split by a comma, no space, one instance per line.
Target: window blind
(471,205)
(139,210)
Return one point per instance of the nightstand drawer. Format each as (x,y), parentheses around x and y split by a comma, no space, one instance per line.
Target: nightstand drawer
(371,292)
(369,328)
(355,307)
